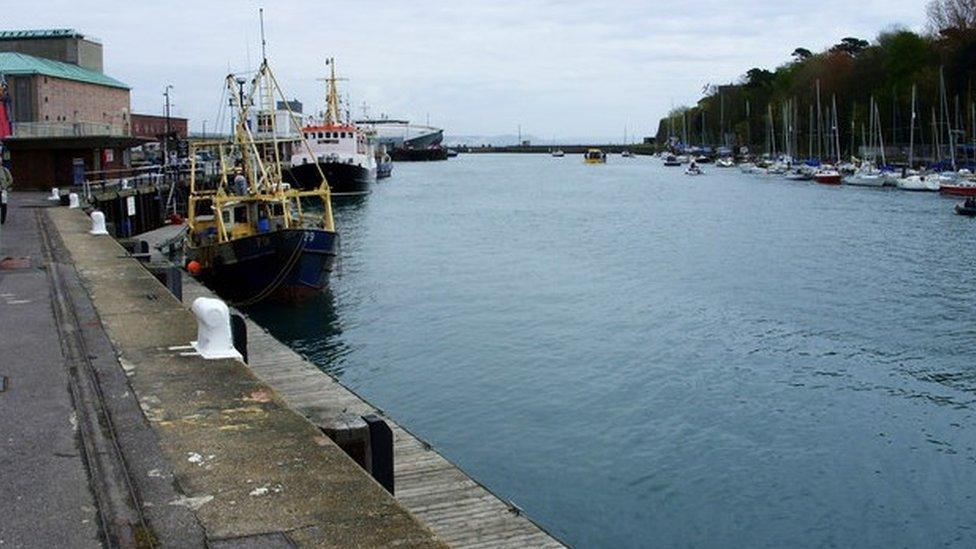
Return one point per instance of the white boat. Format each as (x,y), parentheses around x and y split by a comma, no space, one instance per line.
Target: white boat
(865,178)
(627,154)
(724,163)
(401,134)
(802,173)
(558,153)
(918,183)
(693,169)
(340,150)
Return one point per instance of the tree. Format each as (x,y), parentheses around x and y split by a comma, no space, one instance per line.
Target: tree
(951,14)
(758,78)
(851,46)
(801,54)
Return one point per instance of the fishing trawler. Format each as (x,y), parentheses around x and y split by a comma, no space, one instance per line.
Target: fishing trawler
(338,148)
(251,236)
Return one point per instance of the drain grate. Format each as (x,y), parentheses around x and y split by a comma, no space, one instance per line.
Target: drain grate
(13,263)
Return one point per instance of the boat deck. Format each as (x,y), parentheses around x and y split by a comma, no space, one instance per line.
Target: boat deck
(459,510)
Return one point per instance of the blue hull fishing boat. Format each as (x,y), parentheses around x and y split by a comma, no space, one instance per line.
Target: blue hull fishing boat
(252,237)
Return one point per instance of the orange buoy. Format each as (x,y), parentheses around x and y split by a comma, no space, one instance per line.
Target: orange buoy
(194,267)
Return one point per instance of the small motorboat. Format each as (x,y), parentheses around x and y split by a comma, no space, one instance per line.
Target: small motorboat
(967,208)
(595,156)
(957,183)
(702,159)
(627,154)
(671,161)
(724,163)
(799,174)
(827,177)
(558,153)
(865,178)
(693,169)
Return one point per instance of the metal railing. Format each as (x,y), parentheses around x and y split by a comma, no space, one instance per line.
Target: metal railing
(68,129)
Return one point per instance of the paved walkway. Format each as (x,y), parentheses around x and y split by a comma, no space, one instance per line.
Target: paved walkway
(45,499)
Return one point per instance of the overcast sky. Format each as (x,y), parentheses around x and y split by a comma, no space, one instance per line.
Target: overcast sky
(482,67)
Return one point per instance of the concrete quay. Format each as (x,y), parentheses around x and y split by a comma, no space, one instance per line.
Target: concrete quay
(123,438)
(124,441)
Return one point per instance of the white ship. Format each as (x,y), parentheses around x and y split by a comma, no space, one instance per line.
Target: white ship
(401,134)
(340,150)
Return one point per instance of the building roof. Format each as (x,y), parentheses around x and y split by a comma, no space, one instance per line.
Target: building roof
(17,64)
(39,34)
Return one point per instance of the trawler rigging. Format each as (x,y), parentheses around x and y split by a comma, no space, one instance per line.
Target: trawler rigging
(251,235)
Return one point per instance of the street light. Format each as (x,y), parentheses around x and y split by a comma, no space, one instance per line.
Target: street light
(166,137)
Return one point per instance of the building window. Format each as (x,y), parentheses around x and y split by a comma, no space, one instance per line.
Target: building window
(45,99)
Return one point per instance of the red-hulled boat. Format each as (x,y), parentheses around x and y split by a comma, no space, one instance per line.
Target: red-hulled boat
(827,177)
(958,188)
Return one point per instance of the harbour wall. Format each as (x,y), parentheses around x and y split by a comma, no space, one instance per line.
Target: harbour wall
(242,446)
(568,149)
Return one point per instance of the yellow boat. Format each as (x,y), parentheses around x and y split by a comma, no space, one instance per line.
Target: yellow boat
(595,156)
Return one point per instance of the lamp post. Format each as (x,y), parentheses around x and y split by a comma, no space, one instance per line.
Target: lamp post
(166,137)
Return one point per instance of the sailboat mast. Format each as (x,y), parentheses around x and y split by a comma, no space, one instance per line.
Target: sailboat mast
(810,141)
(833,99)
(945,113)
(911,133)
(819,124)
(877,115)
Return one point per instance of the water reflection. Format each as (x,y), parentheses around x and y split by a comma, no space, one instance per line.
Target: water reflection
(312,328)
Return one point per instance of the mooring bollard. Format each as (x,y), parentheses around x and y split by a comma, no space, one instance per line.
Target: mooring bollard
(214,338)
(73,201)
(381,451)
(98,223)
(238,331)
(368,440)
(55,194)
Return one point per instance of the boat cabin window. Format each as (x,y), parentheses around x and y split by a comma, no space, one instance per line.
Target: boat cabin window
(320,135)
(203,207)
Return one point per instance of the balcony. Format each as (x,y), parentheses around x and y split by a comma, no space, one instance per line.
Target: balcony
(65,129)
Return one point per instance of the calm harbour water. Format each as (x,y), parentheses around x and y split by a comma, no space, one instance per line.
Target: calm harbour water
(640,358)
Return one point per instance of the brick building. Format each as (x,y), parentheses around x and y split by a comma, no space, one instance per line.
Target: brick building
(68,118)
(150,126)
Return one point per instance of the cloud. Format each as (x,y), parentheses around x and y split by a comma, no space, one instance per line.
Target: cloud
(475,67)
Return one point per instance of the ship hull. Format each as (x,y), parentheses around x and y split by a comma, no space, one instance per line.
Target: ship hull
(344,179)
(287,265)
(419,155)
(958,190)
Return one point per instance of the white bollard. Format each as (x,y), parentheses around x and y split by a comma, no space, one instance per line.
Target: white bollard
(55,194)
(73,200)
(98,223)
(214,339)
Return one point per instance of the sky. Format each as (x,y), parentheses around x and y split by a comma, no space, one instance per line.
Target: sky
(558,69)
